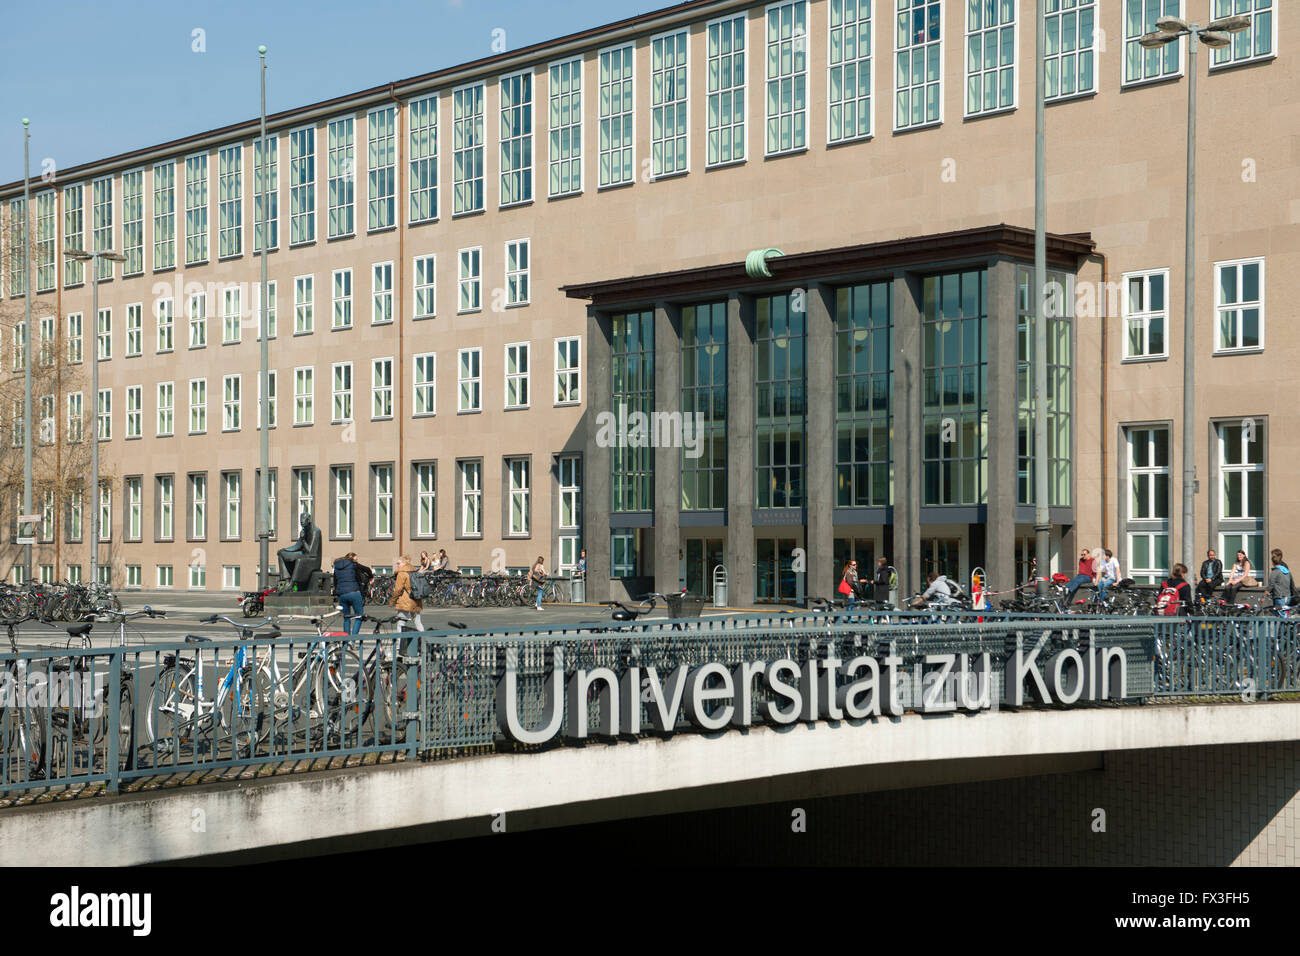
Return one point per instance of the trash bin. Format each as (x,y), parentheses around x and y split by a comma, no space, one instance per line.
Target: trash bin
(578,590)
(719,586)
(684,605)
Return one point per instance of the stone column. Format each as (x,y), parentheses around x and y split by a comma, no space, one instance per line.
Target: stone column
(668,460)
(1003,426)
(819,449)
(740,450)
(907,432)
(597,459)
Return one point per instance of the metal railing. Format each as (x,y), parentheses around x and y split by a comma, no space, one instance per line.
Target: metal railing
(111,718)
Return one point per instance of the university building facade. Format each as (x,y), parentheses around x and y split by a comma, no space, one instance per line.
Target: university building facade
(801,224)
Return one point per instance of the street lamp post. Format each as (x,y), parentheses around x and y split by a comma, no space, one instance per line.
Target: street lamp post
(264,456)
(93,258)
(27,345)
(1215,34)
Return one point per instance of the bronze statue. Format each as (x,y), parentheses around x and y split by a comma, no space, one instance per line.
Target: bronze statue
(299,560)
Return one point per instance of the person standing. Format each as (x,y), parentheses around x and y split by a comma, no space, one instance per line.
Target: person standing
(408,608)
(538,576)
(350,581)
(850,578)
(1211,576)
(1279,581)
(880,583)
(580,571)
(1085,575)
(1241,576)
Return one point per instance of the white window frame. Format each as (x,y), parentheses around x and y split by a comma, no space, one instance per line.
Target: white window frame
(384,171)
(424,387)
(477,92)
(341,315)
(529,139)
(899,124)
(166,487)
(1255,14)
(999,67)
(104,415)
(425,267)
(743,86)
(381,477)
(232,482)
(518,281)
(230,577)
(101,236)
(166,410)
(568,472)
(858,62)
(234,206)
(135,330)
(1125,40)
(427,164)
(520,381)
(76,342)
(471,497)
(134,518)
(473,381)
(133,252)
(798,48)
(76,417)
(198,320)
(166,311)
(1241,305)
(555,102)
(135,411)
(1145,315)
(381,389)
(304,309)
(104,334)
(347,177)
(519,497)
(302,196)
(165,581)
(626,118)
(679,103)
(204,209)
(344,515)
(381,293)
(568,374)
(426,499)
(232,403)
(198,507)
(1252,510)
(1057,59)
(304,399)
(272,405)
(269,148)
(164,221)
(232,315)
(199,425)
(469,282)
(341,393)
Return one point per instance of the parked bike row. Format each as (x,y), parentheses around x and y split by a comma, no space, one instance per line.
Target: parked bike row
(62,601)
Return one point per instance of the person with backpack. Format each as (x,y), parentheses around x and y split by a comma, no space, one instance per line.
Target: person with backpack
(538,576)
(1281,586)
(1176,594)
(409,590)
(351,581)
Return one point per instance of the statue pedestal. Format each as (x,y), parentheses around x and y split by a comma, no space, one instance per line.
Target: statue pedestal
(300,602)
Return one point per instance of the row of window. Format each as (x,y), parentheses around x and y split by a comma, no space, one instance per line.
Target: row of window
(1238,309)
(991,45)
(566,385)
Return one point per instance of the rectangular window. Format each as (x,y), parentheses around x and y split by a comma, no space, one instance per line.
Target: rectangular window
(570,482)
(516,138)
(165,576)
(196,209)
(520,515)
(381,164)
(342,299)
(45,258)
(74,224)
(1148,504)
(166,324)
(104,415)
(133,222)
(423,185)
(1241,471)
(517,272)
(302,186)
(1146,314)
(381,293)
(19,433)
(303,396)
(134,529)
(303,299)
(198,577)
(165,485)
(133,576)
(918,55)
(622,553)
(76,417)
(266,192)
(134,330)
(426,487)
(470,279)
(1256,42)
(470,377)
(467,149)
(231,492)
(1070,57)
(74,339)
(341,478)
(231,315)
(617,116)
(1239,305)
(104,335)
(726,92)
(954,408)
(271,403)
(669,93)
(425,288)
(230,577)
(849,71)
(381,477)
(271,320)
(1060,386)
(106,511)
(47,341)
(381,389)
(198,507)
(230,201)
(134,411)
(17,239)
(517,375)
(471,498)
(342,177)
(990,56)
(704,400)
(198,320)
(1141,65)
(164,216)
(166,408)
(565,156)
(632,356)
(568,371)
(864,389)
(101,215)
(45,423)
(231,403)
(74,574)
(304,491)
(75,510)
(787,77)
(780,380)
(341,392)
(198,406)
(425,384)
(20,346)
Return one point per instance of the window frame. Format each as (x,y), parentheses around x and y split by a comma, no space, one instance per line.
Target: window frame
(967,113)
(336,300)
(870,58)
(1240,306)
(344,395)
(304,401)
(475,280)
(575,371)
(430,287)
(376,270)
(475,380)
(943,46)
(795,51)
(578,125)
(1254,14)
(525,377)
(479,144)
(684,100)
(632,98)
(519,277)
(530,138)
(1145,315)
(431,384)
(382,404)
(1124,39)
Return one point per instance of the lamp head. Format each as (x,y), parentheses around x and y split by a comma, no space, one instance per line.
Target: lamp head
(1171,25)
(262,50)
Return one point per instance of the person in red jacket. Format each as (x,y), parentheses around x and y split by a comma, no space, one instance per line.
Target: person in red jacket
(1085,575)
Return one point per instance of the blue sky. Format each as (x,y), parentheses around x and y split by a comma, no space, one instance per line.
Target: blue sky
(100,78)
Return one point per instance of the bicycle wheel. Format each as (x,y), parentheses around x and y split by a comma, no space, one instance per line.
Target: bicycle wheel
(172,716)
(342,695)
(126,726)
(24,736)
(243,712)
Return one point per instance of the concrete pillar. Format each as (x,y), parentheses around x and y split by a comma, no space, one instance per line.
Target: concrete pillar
(668,461)
(819,452)
(740,451)
(1003,426)
(597,459)
(907,432)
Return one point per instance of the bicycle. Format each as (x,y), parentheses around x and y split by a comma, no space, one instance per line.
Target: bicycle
(23,730)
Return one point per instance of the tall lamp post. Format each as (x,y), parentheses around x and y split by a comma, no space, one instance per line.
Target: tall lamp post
(1214,34)
(264,454)
(27,346)
(93,258)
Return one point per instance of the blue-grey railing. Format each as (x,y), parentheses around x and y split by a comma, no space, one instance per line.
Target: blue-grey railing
(113,716)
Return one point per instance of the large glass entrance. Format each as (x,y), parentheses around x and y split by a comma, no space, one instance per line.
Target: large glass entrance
(776,580)
(702,556)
